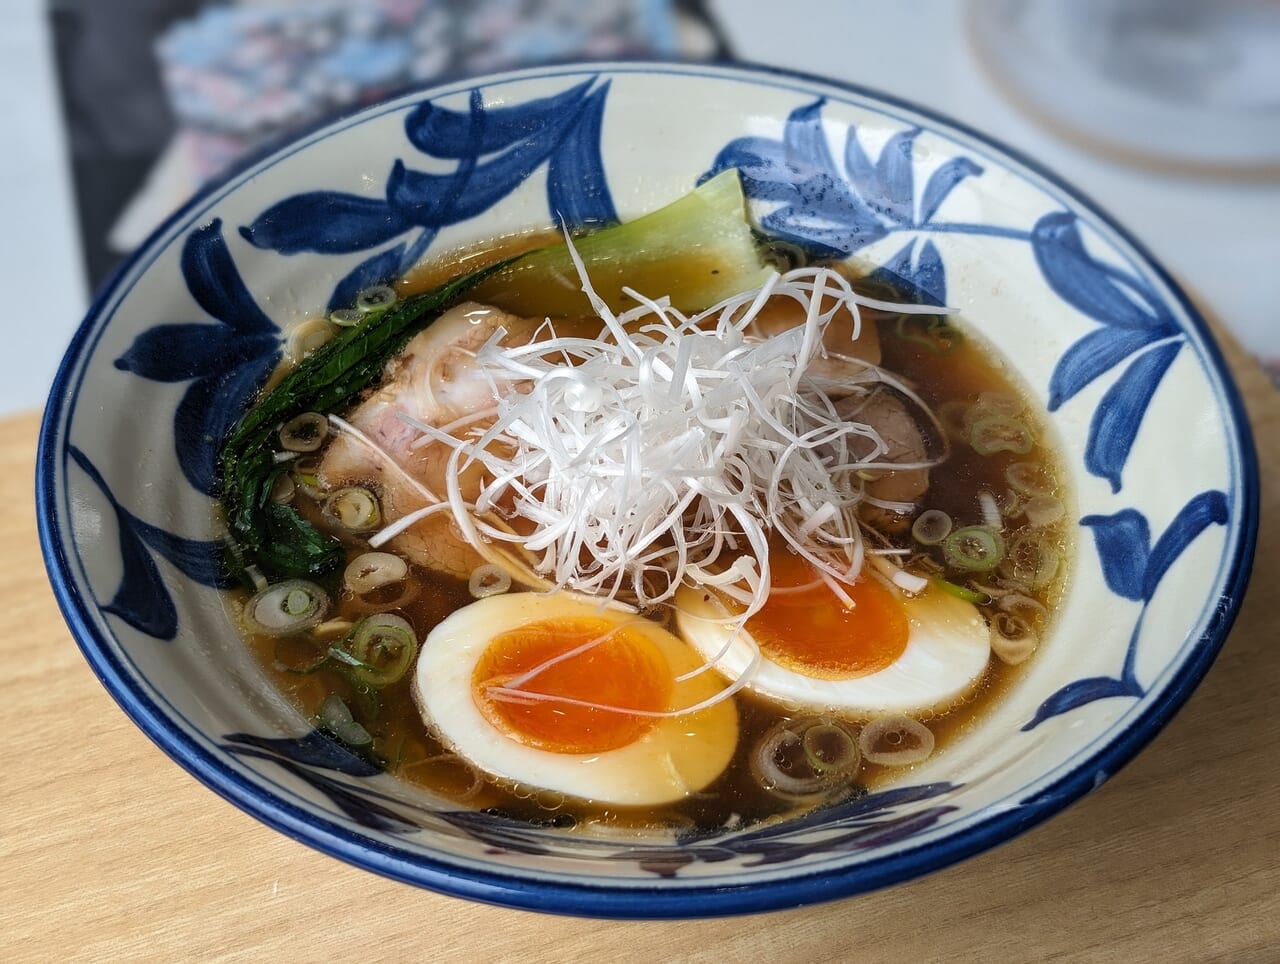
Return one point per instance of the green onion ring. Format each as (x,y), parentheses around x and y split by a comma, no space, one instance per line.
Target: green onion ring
(895,741)
(354,508)
(304,433)
(931,332)
(385,645)
(974,548)
(1029,560)
(346,317)
(335,716)
(286,607)
(789,764)
(1029,478)
(830,748)
(931,527)
(993,433)
(375,298)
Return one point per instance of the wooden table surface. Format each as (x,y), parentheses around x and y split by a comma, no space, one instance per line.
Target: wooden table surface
(109,851)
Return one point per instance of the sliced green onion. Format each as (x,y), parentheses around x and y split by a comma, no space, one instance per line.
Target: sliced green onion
(1043,510)
(354,508)
(895,741)
(283,489)
(305,473)
(488,580)
(341,656)
(974,548)
(374,570)
(999,433)
(1000,403)
(931,527)
(788,763)
(1029,478)
(1010,503)
(387,598)
(306,336)
(829,747)
(346,317)
(785,256)
(385,645)
(298,602)
(286,607)
(1029,560)
(931,332)
(336,717)
(975,596)
(375,298)
(1012,638)
(256,577)
(304,433)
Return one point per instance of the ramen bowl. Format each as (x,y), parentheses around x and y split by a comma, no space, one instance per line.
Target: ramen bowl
(1157,451)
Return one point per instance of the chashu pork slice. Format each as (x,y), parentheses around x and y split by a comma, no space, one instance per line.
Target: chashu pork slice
(435,380)
(886,413)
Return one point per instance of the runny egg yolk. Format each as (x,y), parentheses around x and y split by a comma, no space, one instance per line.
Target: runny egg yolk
(810,630)
(606,657)
(622,669)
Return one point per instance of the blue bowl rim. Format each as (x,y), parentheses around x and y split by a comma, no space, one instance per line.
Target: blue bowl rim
(657,901)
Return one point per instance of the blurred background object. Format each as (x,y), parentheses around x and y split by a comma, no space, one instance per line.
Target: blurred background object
(161,96)
(1186,84)
(40,251)
(117,117)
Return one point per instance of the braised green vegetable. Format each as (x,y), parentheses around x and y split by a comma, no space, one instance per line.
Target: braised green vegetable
(697,250)
(273,536)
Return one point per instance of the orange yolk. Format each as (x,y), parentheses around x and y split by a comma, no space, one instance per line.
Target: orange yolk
(626,670)
(811,631)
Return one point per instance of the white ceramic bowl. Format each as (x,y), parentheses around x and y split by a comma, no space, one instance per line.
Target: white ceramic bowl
(1159,453)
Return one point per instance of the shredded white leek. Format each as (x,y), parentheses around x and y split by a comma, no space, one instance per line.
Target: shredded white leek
(668,450)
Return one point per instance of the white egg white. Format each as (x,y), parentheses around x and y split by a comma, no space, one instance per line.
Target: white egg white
(947,650)
(677,756)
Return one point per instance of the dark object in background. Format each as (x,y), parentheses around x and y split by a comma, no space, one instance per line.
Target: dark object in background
(119,116)
(114,107)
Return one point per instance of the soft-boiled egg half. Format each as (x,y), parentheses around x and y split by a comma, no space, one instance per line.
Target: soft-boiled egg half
(889,652)
(555,692)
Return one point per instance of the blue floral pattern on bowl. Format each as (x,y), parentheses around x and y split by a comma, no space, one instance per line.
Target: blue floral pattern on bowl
(842,174)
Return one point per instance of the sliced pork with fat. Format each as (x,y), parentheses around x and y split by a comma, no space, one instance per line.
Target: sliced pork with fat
(436,381)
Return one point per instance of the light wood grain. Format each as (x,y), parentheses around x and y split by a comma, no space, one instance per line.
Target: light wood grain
(110,852)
